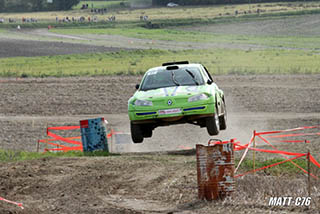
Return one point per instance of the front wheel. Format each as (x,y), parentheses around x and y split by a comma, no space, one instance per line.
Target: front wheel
(146,132)
(212,124)
(136,133)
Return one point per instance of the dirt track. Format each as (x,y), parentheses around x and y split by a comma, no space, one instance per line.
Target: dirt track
(28,106)
(29,48)
(41,42)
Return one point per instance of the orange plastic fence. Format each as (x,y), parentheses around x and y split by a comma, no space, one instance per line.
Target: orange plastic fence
(74,143)
(71,141)
(267,138)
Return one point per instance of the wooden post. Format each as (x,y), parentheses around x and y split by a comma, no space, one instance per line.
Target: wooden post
(254,152)
(38,146)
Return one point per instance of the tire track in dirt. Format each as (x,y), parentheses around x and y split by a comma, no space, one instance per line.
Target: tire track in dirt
(178,137)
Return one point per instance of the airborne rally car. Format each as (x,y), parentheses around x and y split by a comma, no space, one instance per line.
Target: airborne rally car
(176,93)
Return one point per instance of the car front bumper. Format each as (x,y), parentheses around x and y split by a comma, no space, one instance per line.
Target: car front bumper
(172,114)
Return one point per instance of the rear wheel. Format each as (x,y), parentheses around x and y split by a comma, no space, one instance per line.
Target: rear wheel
(213,124)
(223,119)
(136,133)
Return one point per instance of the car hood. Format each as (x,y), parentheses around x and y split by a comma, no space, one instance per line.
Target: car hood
(170,91)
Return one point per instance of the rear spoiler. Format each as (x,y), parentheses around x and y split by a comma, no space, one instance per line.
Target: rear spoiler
(175,63)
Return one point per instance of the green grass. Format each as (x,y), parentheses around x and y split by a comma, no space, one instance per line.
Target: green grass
(285,168)
(9,155)
(218,61)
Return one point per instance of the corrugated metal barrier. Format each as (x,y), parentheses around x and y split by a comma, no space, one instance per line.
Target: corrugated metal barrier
(215,170)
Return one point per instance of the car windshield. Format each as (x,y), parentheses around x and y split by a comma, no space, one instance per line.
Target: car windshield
(162,78)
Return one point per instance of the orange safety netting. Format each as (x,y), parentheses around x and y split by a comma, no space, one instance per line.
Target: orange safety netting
(72,143)
(275,137)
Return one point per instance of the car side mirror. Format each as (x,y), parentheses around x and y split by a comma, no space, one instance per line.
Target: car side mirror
(209,82)
(137,86)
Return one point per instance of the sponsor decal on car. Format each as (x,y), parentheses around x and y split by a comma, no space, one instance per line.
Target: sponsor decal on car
(169,111)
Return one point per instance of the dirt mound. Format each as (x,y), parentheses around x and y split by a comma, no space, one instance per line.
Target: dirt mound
(130,184)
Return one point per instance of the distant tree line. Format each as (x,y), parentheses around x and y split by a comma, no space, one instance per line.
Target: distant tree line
(207,2)
(36,5)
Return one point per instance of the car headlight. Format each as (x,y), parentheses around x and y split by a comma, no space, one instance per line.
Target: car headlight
(143,103)
(198,97)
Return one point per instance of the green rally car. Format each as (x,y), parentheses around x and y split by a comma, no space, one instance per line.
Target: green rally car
(176,93)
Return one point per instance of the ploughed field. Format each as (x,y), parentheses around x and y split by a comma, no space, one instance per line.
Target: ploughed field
(140,183)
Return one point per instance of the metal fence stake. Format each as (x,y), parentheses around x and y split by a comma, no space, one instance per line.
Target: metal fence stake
(309,184)
(254,152)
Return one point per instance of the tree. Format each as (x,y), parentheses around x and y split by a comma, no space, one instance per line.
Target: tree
(2,5)
(37,5)
(64,4)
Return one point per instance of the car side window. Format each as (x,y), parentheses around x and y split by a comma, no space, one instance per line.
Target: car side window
(206,77)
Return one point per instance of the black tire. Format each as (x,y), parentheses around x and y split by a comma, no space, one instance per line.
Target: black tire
(136,133)
(223,119)
(212,124)
(146,132)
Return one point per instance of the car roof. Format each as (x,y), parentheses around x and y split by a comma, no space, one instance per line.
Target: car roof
(180,66)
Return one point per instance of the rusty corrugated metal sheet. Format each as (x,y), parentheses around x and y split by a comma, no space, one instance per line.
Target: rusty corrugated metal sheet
(215,169)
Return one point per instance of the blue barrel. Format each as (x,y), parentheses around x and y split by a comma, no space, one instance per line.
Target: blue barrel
(93,135)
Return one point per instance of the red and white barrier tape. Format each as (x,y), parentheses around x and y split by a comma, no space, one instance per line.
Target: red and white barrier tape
(12,202)
(248,146)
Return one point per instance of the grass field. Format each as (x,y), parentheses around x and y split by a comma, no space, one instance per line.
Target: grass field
(218,61)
